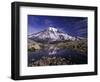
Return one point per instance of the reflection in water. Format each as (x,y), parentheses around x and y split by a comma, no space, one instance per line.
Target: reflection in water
(54,55)
(52,50)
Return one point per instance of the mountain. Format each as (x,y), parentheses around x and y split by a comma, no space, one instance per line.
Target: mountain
(51,34)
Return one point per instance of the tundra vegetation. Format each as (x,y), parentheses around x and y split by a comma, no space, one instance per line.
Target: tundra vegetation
(78,45)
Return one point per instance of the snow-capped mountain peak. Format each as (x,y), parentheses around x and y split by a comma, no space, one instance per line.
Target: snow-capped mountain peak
(52,29)
(51,34)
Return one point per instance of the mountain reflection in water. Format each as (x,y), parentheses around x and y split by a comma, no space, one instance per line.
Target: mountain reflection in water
(74,56)
(52,50)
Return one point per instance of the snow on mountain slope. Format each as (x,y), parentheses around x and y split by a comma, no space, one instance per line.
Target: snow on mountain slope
(51,34)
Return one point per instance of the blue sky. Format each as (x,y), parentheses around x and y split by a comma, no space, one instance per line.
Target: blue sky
(75,26)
